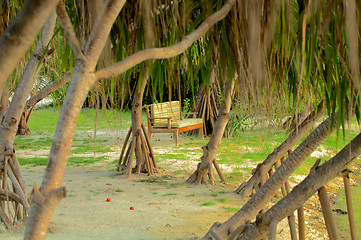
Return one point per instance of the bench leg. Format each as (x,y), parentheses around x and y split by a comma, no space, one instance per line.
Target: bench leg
(175,135)
(201,133)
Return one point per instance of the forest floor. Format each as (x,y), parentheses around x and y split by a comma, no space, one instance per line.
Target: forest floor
(165,207)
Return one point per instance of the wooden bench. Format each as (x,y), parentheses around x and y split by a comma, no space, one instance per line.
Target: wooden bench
(167,118)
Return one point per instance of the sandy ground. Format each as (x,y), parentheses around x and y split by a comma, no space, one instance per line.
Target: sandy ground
(164,207)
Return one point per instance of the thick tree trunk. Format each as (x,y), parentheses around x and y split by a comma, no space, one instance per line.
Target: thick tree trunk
(274,183)
(10,119)
(4,101)
(137,124)
(21,34)
(48,196)
(210,150)
(318,177)
(246,189)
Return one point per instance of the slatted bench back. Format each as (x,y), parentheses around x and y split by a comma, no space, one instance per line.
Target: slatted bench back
(167,109)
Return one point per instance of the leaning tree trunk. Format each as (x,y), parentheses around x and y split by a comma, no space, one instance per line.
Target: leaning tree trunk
(246,189)
(255,204)
(205,168)
(10,174)
(4,101)
(17,39)
(45,199)
(318,177)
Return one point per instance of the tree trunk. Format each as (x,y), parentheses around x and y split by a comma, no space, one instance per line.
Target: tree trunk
(10,119)
(45,199)
(21,34)
(4,101)
(274,183)
(210,150)
(137,124)
(246,189)
(318,177)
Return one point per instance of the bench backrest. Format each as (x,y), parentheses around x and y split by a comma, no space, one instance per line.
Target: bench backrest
(167,109)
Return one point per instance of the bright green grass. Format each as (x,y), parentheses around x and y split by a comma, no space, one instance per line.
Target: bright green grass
(45,119)
(207,204)
(73,161)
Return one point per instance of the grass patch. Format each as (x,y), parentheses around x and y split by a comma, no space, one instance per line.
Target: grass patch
(169,194)
(119,190)
(177,156)
(32,143)
(222,200)
(231,209)
(83,161)
(191,195)
(207,204)
(33,161)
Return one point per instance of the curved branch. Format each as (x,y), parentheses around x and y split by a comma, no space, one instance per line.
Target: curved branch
(47,90)
(165,52)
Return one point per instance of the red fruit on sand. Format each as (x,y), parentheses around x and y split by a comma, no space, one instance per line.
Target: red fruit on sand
(88,135)
(131,208)
(171,136)
(118,138)
(108,200)
(158,140)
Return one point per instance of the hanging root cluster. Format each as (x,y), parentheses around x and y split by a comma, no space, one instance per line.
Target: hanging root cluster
(207,106)
(14,201)
(145,165)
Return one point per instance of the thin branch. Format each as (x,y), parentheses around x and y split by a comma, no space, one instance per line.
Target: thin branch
(47,90)
(165,52)
(69,33)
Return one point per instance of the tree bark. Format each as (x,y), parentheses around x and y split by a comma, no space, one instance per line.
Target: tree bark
(269,189)
(246,189)
(47,197)
(12,116)
(137,123)
(20,35)
(210,150)
(318,177)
